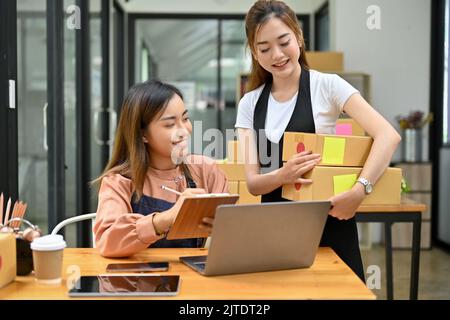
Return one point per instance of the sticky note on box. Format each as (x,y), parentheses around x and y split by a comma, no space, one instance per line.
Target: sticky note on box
(333,151)
(346,151)
(349,127)
(344,182)
(344,129)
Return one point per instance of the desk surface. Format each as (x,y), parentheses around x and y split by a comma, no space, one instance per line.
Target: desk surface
(406,205)
(328,278)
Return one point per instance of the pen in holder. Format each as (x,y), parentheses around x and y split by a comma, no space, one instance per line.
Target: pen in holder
(23,242)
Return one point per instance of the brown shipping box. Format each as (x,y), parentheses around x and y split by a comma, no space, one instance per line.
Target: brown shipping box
(233,171)
(7,258)
(349,127)
(245,197)
(233,152)
(325,60)
(330,181)
(233,187)
(346,151)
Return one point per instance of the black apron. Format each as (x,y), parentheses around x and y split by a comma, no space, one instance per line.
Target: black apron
(147,205)
(340,235)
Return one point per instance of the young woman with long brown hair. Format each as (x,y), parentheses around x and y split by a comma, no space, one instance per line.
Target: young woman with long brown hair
(150,151)
(285,95)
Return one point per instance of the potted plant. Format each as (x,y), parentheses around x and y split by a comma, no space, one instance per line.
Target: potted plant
(411,126)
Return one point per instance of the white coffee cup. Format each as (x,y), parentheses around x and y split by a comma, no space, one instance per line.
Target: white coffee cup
(48,258)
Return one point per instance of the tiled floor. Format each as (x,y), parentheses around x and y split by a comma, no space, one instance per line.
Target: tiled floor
(434,279)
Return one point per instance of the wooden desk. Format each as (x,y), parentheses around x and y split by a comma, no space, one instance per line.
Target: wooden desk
(407,211)
(328,278)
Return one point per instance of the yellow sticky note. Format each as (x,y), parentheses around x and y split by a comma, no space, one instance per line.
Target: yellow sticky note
(333,150)
(343,182)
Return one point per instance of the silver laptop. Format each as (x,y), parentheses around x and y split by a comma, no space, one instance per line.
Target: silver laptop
(263,237)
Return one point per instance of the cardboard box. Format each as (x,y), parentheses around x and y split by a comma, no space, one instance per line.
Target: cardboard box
(233,171)
(8,263)
(245,197)
(233,152)
(348,127)
(347,151)
(330,181)
(233,187)
(325,60)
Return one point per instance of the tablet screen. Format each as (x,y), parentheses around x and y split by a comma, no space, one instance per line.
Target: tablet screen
(129,285)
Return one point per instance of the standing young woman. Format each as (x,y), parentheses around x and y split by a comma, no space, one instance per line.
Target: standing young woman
(150,151)
(284,95)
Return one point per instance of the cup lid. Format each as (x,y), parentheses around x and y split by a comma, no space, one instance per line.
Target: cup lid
(48,243)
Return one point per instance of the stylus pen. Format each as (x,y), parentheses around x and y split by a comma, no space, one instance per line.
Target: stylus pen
(171,190)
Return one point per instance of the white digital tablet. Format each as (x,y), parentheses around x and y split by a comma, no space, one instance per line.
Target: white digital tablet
(126,285)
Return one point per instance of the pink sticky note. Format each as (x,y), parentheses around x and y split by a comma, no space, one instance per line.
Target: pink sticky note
(343,129)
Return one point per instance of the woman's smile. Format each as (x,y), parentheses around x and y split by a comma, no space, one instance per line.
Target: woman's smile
(180,143)
(280,65)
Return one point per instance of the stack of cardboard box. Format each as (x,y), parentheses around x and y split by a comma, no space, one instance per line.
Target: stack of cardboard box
(233,167)
(342,159)
(325,61)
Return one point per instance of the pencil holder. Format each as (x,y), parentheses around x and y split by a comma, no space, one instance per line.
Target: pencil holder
(23,241)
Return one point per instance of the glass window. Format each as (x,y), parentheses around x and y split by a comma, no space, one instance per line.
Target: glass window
(96,112)
(31,111)
(322,29)
(235,61)
(446,106)
(70,127)
(183,52)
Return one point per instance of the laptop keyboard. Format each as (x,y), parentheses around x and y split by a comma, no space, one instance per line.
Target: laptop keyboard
(198,262)
(200,265)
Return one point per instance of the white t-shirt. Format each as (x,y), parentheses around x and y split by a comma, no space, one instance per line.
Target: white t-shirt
(329,93)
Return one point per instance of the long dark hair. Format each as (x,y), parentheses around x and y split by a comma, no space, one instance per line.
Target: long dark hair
(259,13)
(130,157)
